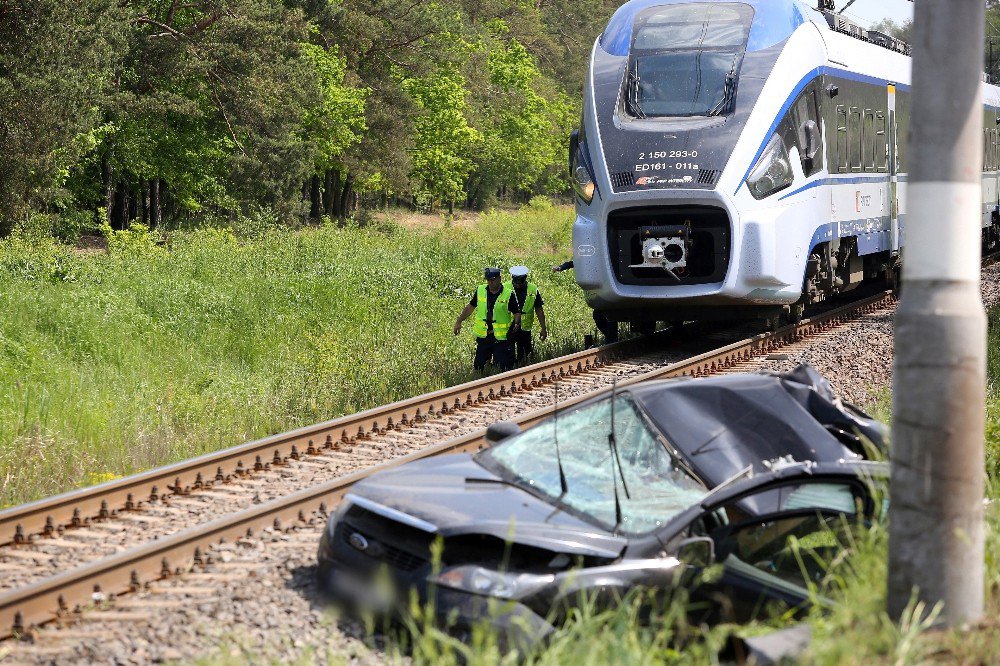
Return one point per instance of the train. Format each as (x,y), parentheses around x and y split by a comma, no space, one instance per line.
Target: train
(744,160)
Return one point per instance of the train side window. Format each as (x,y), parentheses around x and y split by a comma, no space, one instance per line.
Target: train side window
(854,139)
(843,161)
(881,142)
(868,140)
(805,115)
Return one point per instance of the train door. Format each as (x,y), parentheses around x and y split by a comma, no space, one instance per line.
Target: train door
(894,239)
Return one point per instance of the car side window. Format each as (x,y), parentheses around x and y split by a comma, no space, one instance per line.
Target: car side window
(789,531)
(793,549)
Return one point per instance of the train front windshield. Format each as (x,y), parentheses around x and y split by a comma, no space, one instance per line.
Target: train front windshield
(685,59)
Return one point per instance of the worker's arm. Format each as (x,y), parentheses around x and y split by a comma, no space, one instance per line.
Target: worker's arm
(540,313)
(514,308)
(563,267)
(462,317)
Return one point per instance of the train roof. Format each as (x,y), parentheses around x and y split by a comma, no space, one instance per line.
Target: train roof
(774,22)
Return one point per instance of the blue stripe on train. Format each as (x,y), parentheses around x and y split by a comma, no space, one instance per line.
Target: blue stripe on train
(873,234)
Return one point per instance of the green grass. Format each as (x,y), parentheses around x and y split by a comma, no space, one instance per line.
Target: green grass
(153,352)
(158,351)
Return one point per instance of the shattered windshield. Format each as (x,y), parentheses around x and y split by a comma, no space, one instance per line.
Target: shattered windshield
(652,487)
(685,59)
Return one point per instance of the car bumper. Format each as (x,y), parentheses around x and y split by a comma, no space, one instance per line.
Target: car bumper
(515,625)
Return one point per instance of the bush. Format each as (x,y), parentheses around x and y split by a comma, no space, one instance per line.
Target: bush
(26,257)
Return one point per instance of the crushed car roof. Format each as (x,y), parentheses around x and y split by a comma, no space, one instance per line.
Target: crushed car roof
(724,425)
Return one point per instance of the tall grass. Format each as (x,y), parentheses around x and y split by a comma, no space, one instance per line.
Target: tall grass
(156,351)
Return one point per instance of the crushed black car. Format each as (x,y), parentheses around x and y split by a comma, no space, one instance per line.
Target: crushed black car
(645,486)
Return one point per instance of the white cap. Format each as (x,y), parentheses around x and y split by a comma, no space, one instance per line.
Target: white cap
(519,271)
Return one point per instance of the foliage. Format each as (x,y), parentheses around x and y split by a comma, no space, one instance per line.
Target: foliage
(443,139)
(903,31)
(56,59)
(339,120)
(523,130)
(170,112)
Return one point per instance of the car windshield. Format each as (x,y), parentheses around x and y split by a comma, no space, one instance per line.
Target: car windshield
(685,59)
(658,488)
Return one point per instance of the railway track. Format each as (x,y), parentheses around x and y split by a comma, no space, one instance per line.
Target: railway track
(70,521)
(42,538)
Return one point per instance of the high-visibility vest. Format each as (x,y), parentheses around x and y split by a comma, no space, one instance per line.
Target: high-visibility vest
(502,317)
(528,307)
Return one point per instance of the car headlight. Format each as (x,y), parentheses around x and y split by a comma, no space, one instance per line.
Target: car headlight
(580,172)
(773,171)
(485,582)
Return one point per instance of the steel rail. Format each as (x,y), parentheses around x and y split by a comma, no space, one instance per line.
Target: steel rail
(46,600)
(77,508)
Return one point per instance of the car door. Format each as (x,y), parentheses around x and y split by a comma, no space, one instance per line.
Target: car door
(773,543)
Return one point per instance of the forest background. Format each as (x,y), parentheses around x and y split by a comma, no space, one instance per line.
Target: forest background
(173,112)
(189,113)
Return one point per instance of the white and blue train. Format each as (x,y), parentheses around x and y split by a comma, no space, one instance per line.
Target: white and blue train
(740,159)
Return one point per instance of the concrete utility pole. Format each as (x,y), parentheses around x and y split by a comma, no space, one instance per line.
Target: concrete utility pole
(936,513)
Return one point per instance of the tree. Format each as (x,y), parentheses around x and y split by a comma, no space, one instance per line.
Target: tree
(170,110)
(443,140)
(902,31)
(523,118)
(56,62)
(334,125)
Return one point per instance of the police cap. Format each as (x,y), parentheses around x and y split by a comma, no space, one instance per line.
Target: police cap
(519,272)
(492,273)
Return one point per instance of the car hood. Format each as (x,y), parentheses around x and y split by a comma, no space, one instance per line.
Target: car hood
(453,496)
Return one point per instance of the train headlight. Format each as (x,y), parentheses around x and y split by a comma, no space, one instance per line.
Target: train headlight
(583,183)
(773,171)
(581,175)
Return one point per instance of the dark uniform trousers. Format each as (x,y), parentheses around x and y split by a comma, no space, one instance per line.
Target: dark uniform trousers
(499,352)
(522,345)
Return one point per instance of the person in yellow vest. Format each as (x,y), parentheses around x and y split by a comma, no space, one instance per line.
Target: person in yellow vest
(529,301)
(497,320)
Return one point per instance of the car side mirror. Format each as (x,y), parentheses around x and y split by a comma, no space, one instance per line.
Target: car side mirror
(697,552)
(500,431)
